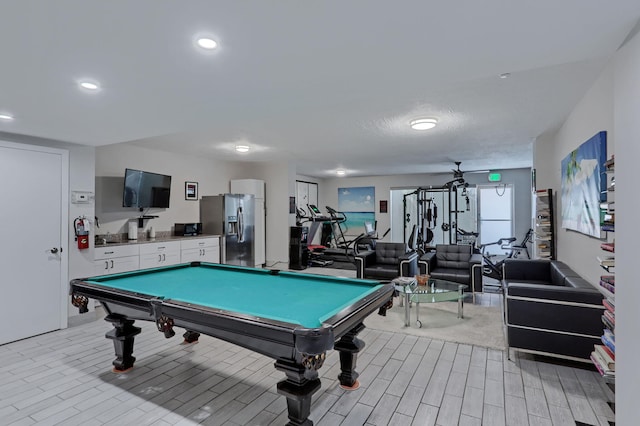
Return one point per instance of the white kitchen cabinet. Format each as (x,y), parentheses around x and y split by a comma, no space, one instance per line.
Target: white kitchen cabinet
(113,259)
(200,250)
(165,253)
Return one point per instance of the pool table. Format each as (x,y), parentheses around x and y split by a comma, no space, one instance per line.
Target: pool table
(291,317)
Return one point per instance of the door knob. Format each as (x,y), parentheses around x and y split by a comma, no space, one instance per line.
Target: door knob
(54,250)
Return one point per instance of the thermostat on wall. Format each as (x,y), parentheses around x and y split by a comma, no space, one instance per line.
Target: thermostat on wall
(81,197)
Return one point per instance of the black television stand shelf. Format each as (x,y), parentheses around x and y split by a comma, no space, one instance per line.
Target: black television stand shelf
(142,218)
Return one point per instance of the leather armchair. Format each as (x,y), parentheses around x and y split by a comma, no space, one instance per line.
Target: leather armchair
(550,310)
(386,262)
(454,262)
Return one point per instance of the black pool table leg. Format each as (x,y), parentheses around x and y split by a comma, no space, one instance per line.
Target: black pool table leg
(123,335)
(190,336)
(348,346)
(298,387)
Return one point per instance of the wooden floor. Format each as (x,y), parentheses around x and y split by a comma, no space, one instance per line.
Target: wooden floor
(65,378)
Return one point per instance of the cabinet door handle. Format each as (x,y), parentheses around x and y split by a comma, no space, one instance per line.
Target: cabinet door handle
(159,258)
(112,264)
(106,264)
(164,257)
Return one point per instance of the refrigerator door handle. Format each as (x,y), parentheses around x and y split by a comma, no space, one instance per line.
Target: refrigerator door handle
(240,225)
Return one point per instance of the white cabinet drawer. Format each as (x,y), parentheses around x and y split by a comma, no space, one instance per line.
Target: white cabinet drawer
(163,247)
(111,251)
(115,265)
(199,243)
(204,254)
(159,259)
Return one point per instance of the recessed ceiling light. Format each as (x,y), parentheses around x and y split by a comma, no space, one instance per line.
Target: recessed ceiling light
(424,123)
(242,148)
(6,117)
(505,75)
(207,43)
(89,85)
(341,172)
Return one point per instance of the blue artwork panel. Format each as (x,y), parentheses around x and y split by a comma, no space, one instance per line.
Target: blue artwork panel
(583,186)
(358,205)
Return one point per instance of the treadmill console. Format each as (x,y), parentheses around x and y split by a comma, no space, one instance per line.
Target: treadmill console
(316,214)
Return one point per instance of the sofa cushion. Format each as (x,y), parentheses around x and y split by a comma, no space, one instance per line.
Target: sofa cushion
(389,253)
(449,274)
(558,271)
(453,256)
(381,272)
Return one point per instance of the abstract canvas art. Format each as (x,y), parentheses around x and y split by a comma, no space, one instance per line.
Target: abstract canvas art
(583,186)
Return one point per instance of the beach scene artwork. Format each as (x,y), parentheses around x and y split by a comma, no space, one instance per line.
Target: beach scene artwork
(358,205)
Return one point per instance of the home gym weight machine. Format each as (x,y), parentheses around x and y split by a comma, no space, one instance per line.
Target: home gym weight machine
(426,210)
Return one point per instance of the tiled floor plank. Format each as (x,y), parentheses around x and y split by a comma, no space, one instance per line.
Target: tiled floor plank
(65,377)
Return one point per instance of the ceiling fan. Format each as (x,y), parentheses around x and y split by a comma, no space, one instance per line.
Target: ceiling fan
(459,174)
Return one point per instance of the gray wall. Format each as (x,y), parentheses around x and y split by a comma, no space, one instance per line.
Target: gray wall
(519,178)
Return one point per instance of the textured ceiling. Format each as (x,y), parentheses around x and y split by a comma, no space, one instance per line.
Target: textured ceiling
(328,85)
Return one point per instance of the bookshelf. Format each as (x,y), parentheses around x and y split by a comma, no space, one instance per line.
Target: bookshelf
(544,234)
(603,355)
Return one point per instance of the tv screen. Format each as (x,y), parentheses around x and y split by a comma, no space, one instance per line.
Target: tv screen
(146,189)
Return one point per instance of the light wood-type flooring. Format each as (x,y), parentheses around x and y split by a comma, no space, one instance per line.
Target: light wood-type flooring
(65,378)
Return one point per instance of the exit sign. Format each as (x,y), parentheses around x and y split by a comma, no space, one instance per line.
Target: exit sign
(495,177)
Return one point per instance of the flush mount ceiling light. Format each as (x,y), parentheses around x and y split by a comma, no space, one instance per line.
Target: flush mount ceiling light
(341,172)
(423,123)
(505,75)
(242,148)
(207,43)
(6,117)
(90,86)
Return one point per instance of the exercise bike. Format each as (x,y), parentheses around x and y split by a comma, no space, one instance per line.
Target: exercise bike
(493,269)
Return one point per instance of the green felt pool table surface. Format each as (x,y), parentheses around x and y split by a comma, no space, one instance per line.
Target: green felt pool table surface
(291,297)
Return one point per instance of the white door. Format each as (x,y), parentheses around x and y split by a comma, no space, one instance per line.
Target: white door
(496,215)
(33,188)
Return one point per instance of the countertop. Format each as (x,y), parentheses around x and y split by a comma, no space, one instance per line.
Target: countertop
(159,239)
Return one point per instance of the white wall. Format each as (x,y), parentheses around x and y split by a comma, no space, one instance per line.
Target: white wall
(111,161)
(593,114)
(627,131)
(280,185)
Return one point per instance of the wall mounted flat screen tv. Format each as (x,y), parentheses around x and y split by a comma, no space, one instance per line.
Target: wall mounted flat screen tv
(146,189)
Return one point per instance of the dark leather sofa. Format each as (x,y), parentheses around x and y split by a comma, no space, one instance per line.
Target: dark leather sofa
(550,309)
(386,262)
(454,262)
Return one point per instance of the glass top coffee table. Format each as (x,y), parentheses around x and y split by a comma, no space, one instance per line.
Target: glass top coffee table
(435,291)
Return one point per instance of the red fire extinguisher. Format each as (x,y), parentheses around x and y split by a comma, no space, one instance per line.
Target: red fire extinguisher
(81,227)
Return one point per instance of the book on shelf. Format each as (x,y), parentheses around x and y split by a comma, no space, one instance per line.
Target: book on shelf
(601,366)
(608,324)
(606,353)
(609,339)
(610,163)
(609,306)
(608,286)
(607,261)
(611,279)
(605,360)
(608,247)
(610,317)
(607,227)
(608,206)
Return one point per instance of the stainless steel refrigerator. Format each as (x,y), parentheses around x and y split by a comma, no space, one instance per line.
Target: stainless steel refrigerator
(232,216)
